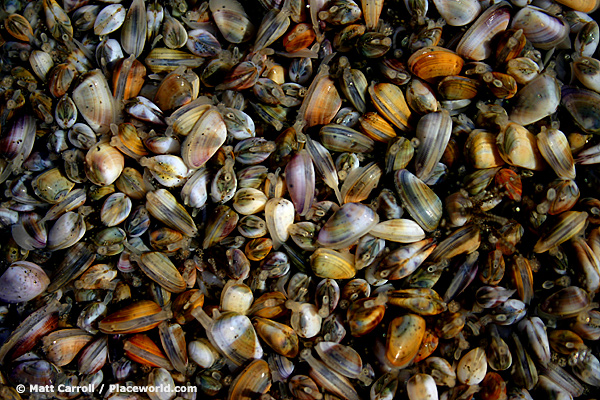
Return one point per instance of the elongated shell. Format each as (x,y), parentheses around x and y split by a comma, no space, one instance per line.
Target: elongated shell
(404,338)
(420,201)
(543,30)
(94,101)
(206,137)
(300,181)
(252,382)
(164,207)
(161,270)
(138,317)
(322,102)
(133,31)
(476,43)
(554,147)
(433,132)
(567,225)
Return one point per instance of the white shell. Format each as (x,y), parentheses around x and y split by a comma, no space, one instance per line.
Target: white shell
(94,101)
(472,367)
(279,214)
(421,387)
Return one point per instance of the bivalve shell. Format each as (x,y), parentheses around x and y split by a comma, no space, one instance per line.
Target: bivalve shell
(328,263)
(94,101)
(476,43)
(22,281)
(347,225)
(433,63)
(137,317)
(419,200)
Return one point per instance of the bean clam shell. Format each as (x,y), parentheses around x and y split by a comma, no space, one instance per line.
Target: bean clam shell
(22,281)
(94,101)
(476,43)
(347,225)
(420,200)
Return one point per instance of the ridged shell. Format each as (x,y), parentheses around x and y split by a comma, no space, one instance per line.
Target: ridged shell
(476,43)
(206,137)
(331,264)
(161,270)
(420,201)
(137,317)
(94,101)
(433,132)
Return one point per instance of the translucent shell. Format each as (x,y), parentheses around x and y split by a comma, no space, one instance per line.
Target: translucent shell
(404,338)
(62,346)
(328,263)
(476,43)
(280,337)
(52,186)
(162,205)
(420,201)
(347,225)
(583,106)
(405,260)
(341,138)
(94,101)
(253,382)
(342,359)
(565,303)
(432,63)
(555,148)
(220,224)
(109,19)
(206,137)
(137,317)
(232,21)
(167,169)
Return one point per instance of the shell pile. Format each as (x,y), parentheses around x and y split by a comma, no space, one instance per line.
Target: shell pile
(300,199)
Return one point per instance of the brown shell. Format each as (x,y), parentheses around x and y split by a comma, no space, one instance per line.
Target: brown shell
(141,349)
(137,317)
(433,62)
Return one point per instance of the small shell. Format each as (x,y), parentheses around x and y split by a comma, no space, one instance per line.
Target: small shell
(432,63)
(95,101)
(109,19)
(279,215)
(543,30)
(138,317)
(22,281)
(163,206)
(472,367)
(567,225)
(554,147)
(518,147)
(421,387)
(419,200)
(104,164)
(300,181)
(331,264)
(207,136)
(116,209)
(476,42)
